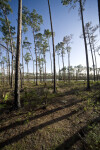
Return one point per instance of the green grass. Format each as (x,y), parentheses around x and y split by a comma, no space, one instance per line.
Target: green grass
(3,106)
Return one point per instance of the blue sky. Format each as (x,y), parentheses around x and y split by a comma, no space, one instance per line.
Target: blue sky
(65,22)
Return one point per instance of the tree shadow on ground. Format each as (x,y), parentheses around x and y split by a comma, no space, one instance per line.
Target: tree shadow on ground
(73,139)
(36,128)
(22,122)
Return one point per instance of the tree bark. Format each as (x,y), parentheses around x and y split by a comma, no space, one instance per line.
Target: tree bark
(21,79)
(11,45)
(45,69)
(9,66)
(33,72)
(59,65)
(39,66)
(85,43)
(63,67)
(17,73)
(95,62)
(27,72)
(91,54)
(36,60)
(99,13)
(69,66)
(23,67)
(53,48)
(50,58)
(3,75)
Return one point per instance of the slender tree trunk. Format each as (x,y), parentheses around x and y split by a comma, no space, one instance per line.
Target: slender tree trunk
(33,71)
(39,66)
(17,73)
(22,66)
(50,58)
(36,60)
(59,65)
(53,48)
(33,62)
(21,79)
(9,67)
(7,77)
(3,75)
(76,75)
(11,45)
(42,72)
(45,69)
(9,72)
(69,66)
(36,68)
(27,72)
(86,51)
(63,66)
(40,69)
(99,13)
(12,70)
(91,54)
(1,69)
(98,74)
(51,65)
(27,69)
(95,62)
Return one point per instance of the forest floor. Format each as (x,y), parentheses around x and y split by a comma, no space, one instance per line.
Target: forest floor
(69,121)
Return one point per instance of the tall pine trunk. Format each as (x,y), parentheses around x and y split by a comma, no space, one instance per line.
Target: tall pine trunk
(95,62)
(45,69)
(17,72)
(99,13)
(22,67)
(36,60)
(3,75)
(54,65)
(85,43)
(33,72)
(8,67)
(91,55)
(27,72)
(40,66)
(11,45)
(7,73)
(50,58)
(69,66)
(59,65)
(63,67)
